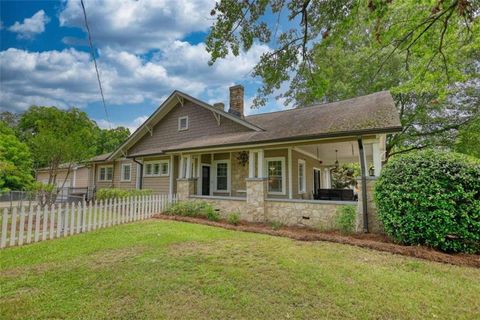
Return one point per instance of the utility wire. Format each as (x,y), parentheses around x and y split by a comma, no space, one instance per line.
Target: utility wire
(92,51)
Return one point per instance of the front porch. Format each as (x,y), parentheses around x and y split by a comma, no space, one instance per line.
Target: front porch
(289,183)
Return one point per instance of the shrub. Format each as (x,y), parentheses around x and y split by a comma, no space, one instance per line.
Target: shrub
(431,198)
(276,225)
(196,209)
(110,193)
(346,216)
(233,218)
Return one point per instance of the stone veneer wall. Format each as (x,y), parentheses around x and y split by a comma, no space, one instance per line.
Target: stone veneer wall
(303,213)
(227,205)
(374,224)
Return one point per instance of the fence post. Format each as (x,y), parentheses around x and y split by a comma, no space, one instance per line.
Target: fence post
(79,213)
(22,226)
(100,214)
(3,242)
(59,220)
(65,220)
(13,227)
(95,208)
(38,217)
(30,225)
(73,210)
(52,221)
(90,214)
(45,223)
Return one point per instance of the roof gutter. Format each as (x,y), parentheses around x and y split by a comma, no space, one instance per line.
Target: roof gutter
(292,139)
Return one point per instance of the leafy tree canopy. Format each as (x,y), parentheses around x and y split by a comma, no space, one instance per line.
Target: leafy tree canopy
(433,41)
(110,139)
(468,140)
(57,136)
(15,161)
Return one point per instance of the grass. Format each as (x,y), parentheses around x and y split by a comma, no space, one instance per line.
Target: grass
(173,270)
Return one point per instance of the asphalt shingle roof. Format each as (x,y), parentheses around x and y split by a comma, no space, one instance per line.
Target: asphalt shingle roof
(373,113)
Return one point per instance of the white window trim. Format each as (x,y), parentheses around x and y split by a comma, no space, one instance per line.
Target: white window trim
(180,121)
(99,171)
(214,173)
(160,162)
(284,177)
(302,188)
(122,172)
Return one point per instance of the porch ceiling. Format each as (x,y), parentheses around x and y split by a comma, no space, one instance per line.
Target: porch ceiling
(325,152)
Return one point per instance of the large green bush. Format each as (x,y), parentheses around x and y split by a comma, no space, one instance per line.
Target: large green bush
(431,198)
(111,193)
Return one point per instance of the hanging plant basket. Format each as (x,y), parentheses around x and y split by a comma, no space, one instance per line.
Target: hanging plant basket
(242,157)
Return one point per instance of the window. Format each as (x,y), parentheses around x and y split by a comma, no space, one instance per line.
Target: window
(222,176)
(276,175)
(156,168)
(105,173)
(183,123)
(126,172)
(302,186)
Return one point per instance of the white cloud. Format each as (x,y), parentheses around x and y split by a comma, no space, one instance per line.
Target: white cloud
(138,26)
(66,78)
(30,26)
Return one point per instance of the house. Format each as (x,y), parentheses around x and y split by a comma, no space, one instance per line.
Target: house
(76,177)
(270,166)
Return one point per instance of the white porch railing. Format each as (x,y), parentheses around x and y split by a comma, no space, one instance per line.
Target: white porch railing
(28,224)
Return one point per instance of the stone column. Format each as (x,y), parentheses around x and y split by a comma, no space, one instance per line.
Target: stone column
(374,224)
(256,194)
(185,188)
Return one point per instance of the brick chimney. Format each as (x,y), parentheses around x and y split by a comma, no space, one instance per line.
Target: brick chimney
(236,100)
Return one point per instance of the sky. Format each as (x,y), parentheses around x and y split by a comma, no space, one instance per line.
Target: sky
(145,50)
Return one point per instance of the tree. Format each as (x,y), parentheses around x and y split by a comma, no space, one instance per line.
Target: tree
(109,140)
(57,137)
(431,38)
(468,140)
(15,161)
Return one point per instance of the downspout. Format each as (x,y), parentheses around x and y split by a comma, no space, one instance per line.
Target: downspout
(364,183)
(140,183)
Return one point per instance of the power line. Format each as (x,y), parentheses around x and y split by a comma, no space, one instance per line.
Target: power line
(92,51)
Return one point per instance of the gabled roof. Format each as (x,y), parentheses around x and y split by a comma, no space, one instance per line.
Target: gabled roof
(163,109)
(371,114)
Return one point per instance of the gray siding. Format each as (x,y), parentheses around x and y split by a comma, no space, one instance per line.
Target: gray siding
(201,122)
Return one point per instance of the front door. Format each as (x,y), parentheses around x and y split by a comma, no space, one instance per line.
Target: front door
(205,180)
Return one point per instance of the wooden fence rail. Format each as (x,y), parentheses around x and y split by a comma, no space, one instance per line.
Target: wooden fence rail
(29,224)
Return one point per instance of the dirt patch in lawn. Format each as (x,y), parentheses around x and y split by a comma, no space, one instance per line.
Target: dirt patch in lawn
(107,258)
(370,241)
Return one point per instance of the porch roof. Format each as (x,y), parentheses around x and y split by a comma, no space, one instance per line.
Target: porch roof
(370,114)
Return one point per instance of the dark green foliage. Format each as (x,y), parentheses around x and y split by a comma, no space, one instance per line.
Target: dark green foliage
(111,193)
(196,209)
(431,198)
(109,139)
(15,161)
(233,218)
(345,219)
(468,140)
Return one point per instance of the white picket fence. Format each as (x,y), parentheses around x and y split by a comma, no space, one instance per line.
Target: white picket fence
(25,224)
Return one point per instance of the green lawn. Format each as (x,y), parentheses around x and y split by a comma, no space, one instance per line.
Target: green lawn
(173,270)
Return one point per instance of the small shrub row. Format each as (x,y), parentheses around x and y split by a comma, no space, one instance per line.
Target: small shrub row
(233,218)
(111,193)
(196,209)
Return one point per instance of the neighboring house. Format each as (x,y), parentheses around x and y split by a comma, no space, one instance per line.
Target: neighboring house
(262,161)
(78,177)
